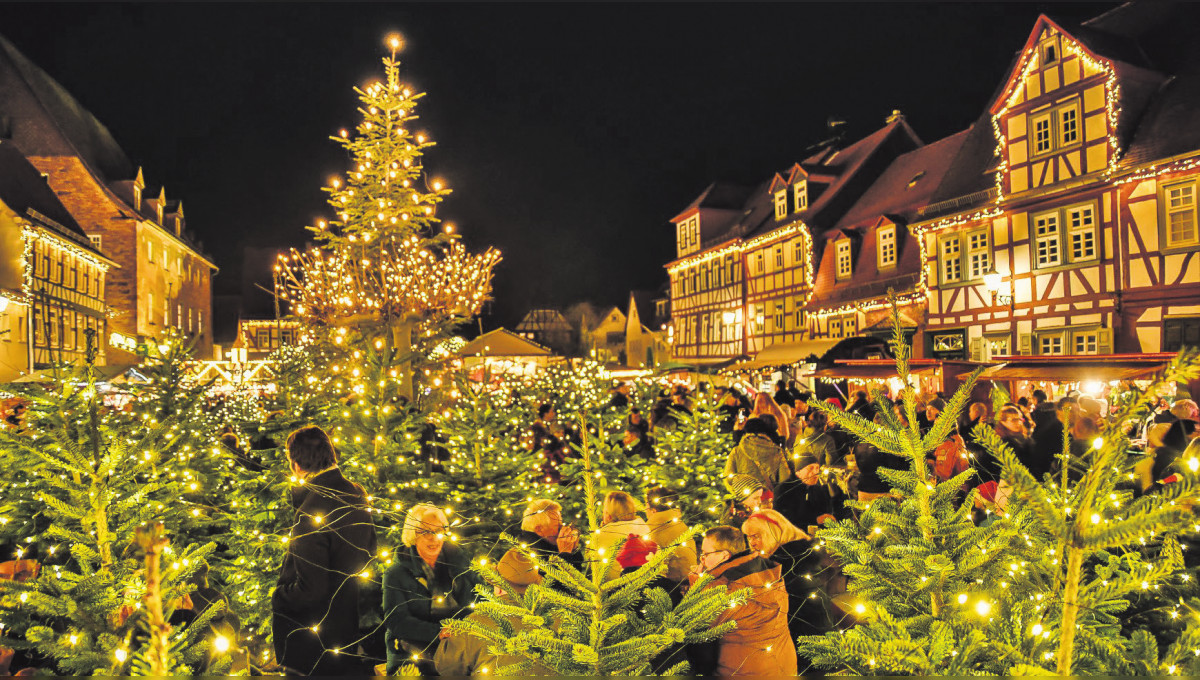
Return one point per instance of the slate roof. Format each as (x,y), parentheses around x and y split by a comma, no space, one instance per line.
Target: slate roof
(22,189)
(45,120)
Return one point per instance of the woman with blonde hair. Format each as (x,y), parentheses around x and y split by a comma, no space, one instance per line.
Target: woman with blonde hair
(764,404)
(808,582)
(430,581)
(619,520)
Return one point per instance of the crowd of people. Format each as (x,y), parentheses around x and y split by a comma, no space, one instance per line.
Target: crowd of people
(790,470)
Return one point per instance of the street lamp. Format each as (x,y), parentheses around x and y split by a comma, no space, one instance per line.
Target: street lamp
(1003,295)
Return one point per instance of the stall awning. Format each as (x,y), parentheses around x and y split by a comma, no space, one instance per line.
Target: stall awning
(881,371)
(1104,367)
(787,353)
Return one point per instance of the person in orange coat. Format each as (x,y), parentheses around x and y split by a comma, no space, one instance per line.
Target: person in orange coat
(761,644)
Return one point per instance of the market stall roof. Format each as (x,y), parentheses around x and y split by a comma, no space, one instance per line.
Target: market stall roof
(502,343)
(874,369)
(1102,367)
(787,353)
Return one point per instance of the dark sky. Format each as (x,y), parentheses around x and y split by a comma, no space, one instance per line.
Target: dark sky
(571,133)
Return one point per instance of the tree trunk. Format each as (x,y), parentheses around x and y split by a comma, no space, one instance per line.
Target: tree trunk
(401,337)
(1066,646)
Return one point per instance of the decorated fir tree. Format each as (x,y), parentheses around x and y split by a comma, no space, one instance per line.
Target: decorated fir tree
(1036,589)
(586,624)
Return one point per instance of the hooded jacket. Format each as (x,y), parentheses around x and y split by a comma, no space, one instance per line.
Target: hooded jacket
(756,455)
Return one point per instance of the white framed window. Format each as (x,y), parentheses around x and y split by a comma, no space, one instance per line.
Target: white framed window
(758,262)
(950,258)
(1049,51)
(844,262)
(886,237)
(150,307)
(97,240)
(779,257)
(166,313)
(780,204)
(798,319)
(757,318)
(262,339)
(1048,251)
(705,329)
(199,321)
(1180,203)
(1050,344)
(780,311)
(1085,342)
(1042,140)
(979,254)
(800,194)
(798,252)
(1068,125)
(835,327)
(179,315)
(998,345)
(1081,232)
(850,326)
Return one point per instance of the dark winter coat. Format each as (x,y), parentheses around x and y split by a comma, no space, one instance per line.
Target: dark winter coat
(407,600)
(331,544)
(546,548)
(802,504)
(812,580)
(870,460)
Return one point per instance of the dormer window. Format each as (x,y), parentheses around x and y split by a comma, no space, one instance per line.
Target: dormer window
(886,237)
(843,261)
(800,195)
(160,213)
(137,197)
(780,204)
(1050,51)
(687,235)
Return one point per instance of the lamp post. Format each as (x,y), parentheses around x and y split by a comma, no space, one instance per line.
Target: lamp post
(1001,294)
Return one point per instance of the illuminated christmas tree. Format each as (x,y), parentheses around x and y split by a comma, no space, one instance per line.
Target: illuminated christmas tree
(386,276)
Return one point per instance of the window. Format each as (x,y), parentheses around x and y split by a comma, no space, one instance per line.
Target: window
(844,265)
(779,257)
(1054,129)
(150,252)
(780,204)
(835,328)
(887,246)
(758,318)
(1045,232)
(800,190)
(191,320)
(1050,344)
(1180,333)
(137,198)
(1049,51)
(1080,243)
(780,311)
(199,321)
(1180,202)
(997,345)
(850,326)
(262,339)
(948,342)
(979,255)
(758,262)
(798,252)
(1086,342)
(704,329)
(1068,126)
(150,307)
(97,240)
(1041,134)
(799,317)
(950,255)
(166,312)
(1081,229)
(179,315)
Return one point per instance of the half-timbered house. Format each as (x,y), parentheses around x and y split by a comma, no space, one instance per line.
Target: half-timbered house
(1070,229)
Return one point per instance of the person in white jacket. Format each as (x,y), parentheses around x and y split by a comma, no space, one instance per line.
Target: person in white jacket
(619,518)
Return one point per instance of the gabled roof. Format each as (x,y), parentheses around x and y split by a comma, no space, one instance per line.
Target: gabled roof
(23,189)
(718,196)
(47,121)
(906,185)
(970,174)
(502,343)
(543,320)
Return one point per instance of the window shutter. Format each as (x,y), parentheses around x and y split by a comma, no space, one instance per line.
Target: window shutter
(1104,341)
(977,349)
(1025,343)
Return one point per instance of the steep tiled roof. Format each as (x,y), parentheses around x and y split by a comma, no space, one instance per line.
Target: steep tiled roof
(907,184)
(46,120)
(22,189)
(1171,124)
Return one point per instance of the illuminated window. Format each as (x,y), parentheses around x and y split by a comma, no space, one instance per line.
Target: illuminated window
(780,311)
(800,191)
(1081,229)
(179,315)
(779,257)
(1049,51)
(97,240)
(1086,342)
(262,339)
(979,254)
(199,321)
(844,264)
(998,345)
(887,246)
(150,307)
(850,326)
(798,252)
(835,328)
(1048,240)
(950,257)
(780,204)
(758,262)
(150,252)
(1050,344)
(1181,214)
(1054,129)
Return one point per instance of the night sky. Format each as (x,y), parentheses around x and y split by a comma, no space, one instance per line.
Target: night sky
(571,133)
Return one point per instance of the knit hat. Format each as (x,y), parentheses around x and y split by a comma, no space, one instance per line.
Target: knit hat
(518,571)
(744,485)
(938,403)
(636,551)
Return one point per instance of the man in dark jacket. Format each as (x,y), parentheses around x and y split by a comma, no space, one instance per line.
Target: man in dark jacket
(315,605)
(783,395)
